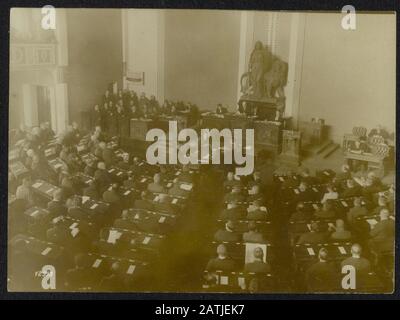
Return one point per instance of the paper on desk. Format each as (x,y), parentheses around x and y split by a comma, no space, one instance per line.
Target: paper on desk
(111,170)
(281,179)
(309,226)
(34,213)
(58,165)
(342,250)
(331,225)
(169,185)
(94,206)
(223,280)
(296,191)
(186,186)
(37,184)
(96,264)
(156,198)
(315,206)
(113,236)
(50,190)
(161,220)
(146,240)
(174,201)
(143,180)
(263,209)
(46,251)
(136,216)
(73,226)
(74,232)
(372,222)
(344,203)
(127,192)
(131,269)
(241,283)
(315,189)
(119,173)
(311,251)
(326,173)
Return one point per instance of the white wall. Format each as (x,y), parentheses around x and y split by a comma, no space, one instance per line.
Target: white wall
(348,77)
(144,50)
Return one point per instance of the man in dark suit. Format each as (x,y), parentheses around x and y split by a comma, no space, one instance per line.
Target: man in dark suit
(258,265)
(300,214)
(102,175)
(113,282)
(228,234)
(254,193)
(230,181)
(385,228)
(361,264)
(305,193)
(232,212)
(234,195)
(56,207)
(351,189)
(80,276)
(326,212)
(156,186)
(315,236)
(252,235)
(124,222)
(143,202)
(222,262)
(92,190)
(111,195)
(357,211)
(320,275)
(256,212)
(58,233)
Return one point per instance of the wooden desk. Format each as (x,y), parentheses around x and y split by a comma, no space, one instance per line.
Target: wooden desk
(44,189)
(18,169)
(372,160)
(220,281)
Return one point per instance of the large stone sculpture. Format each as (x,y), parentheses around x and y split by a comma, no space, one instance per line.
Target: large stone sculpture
(266,75)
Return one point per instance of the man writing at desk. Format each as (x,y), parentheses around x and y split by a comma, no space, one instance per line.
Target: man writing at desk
(359,146)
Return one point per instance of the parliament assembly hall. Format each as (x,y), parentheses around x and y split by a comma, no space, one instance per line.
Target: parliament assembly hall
(201,151)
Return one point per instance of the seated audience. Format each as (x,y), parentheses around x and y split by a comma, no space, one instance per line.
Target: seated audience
(320,275)
(253,235)
(156,186)
(314,236)
(357,211)
(339,231)
(222,262)
(326,212)
(331,194)
(258,265)
(228,234)
(360,264)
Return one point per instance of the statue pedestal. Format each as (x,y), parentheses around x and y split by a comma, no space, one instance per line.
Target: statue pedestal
(266,107)
(291,141)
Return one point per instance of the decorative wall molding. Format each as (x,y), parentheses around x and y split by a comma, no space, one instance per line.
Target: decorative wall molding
(32,55)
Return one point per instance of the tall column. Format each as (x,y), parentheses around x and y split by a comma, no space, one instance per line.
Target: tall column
(295,65)
(29,98)
(246,42)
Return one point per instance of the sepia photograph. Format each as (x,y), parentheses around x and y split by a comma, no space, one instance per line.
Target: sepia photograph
(201,151)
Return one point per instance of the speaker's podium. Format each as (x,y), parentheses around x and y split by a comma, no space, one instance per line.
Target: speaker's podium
(267,108)
(139,128)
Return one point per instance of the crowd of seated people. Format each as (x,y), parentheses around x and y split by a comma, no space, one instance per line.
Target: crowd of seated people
(90,198)
(241,220)
(340,209)
(114,110)
(330,212)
